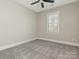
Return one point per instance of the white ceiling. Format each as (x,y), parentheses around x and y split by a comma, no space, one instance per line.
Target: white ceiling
(37,7)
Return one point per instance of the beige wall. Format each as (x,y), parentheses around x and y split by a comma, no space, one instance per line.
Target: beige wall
(17,23)
(68,23)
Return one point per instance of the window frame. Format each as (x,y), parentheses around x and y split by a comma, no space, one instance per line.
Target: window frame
(56,12)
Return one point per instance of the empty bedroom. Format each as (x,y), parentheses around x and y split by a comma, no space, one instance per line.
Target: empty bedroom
(39,29)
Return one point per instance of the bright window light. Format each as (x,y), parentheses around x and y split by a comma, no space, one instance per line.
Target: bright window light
(53,22)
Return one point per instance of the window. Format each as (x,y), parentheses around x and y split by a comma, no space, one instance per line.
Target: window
(53,22)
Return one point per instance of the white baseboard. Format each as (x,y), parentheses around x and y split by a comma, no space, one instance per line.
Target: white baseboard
(16,44)
(56,41)
(61,42)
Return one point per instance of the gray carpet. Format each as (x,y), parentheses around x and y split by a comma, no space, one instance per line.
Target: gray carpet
(39,49)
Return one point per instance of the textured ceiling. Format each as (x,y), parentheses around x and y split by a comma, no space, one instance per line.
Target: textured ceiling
(37,7)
